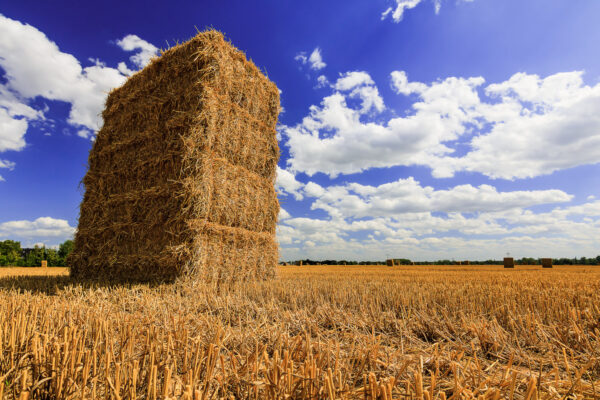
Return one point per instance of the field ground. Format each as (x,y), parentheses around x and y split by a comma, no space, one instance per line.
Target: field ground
(33,271)
(319,332)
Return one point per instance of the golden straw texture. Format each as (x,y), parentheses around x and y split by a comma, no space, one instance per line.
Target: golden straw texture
(181,176)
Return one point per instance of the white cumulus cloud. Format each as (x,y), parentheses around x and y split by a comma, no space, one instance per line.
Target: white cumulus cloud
(283,214)
(336,138)
(12,131)
(524,127)
(313,189)
(35,67)
(286,183)
(359,84)
(562,232)
(145,52)
(541,125)
(48,230)
(354,200)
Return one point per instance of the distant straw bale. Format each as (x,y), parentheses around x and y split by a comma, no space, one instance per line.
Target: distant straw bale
(509,262)
(546,263)
(181,175)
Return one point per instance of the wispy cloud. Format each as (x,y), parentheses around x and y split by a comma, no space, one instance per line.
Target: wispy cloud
(314,60)
(397,11)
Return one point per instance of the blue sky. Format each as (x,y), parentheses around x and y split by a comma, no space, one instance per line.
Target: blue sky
(410,128)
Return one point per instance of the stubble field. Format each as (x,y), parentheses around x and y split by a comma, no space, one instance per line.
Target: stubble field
(320,332)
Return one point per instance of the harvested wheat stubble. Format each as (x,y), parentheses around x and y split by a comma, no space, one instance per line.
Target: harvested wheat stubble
(181,176)
(315,332)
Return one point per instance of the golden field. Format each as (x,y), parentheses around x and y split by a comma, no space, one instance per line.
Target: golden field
(30,271)
(315,332)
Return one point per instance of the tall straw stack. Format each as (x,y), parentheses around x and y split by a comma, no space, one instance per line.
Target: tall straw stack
(509,262)
(389,262)
(181,175)
(546,262)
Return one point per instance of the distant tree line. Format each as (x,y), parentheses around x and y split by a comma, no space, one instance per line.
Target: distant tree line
(11,254)
(405,261)
(519,261)
(335,262)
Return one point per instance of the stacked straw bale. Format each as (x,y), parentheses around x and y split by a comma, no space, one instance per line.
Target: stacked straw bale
(181,175)
(546,263)
(509,262)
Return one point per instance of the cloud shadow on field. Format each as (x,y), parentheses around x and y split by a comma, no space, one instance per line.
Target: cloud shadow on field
(53,285)
(49,285)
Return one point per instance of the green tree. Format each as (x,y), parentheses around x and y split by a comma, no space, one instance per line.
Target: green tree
(10,253)
(35,256)
(63,251)
(52,258)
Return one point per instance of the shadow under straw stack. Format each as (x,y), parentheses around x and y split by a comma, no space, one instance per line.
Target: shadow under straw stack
(181,175)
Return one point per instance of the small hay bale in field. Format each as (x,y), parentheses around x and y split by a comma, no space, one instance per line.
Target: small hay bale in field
(466,263)
(181,175)
(389,262)
(546,263)
(44,264)
(509,262)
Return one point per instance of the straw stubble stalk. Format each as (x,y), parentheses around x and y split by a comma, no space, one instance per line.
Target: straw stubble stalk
(181,175)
